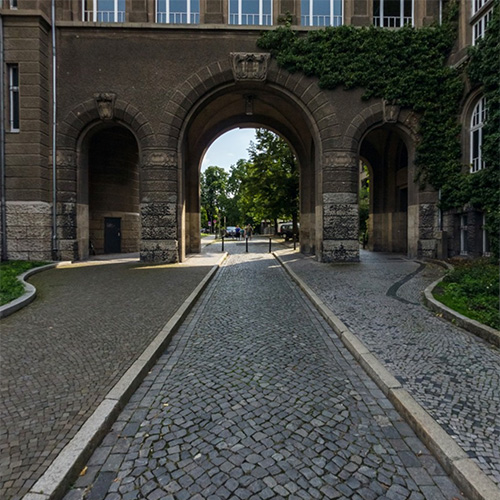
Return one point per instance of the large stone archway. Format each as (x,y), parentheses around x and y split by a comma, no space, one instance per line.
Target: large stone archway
(248,89)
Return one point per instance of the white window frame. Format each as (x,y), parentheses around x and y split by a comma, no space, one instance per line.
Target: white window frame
(477,5)
(392,21)
(480,25)
(309,19)
(169,17)
(14,104)
(92,15)
(236,18)
(476,126)
(13,4)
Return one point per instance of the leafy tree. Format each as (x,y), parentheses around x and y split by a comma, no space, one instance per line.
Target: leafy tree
(270,189)
(213,191)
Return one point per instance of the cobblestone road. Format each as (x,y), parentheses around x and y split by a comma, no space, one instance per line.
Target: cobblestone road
(451,373)
(256,398)
(62,354)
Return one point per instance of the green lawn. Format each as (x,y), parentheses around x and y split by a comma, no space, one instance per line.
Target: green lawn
(10,287)
(472,289)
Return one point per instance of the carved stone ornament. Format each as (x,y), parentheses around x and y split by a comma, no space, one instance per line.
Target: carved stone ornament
(248,66)
(156,159)
(105,103)
(338,159)
(391,112)
(65,158)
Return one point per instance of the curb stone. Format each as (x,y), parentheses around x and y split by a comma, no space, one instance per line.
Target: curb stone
(66,467)
(464,471)
(29,294)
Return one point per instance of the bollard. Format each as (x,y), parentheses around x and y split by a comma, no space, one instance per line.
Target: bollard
(246,243)
(222,243)
(295,242)
(269,244)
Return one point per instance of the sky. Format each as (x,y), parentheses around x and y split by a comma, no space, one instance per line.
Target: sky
(229,148)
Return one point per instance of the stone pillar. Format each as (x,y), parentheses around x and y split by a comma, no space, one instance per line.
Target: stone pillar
(340,207)
(159,195)
(427,224)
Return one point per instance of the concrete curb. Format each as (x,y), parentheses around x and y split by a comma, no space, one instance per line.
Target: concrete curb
(70,461)
(463,470)
(485,332)
(29,291)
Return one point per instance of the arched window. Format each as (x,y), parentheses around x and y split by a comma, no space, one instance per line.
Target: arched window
(104,11)
(178,11)
(392,13)
(321,13)
(476,135)
(248,12)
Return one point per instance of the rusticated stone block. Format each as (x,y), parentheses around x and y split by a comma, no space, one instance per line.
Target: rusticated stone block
(340,251)
(158,209)
(340,209)
(159,251)
(340,228)
(343,198)
(164,231)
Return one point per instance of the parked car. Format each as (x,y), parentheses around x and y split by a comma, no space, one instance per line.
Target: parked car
(286,231)
(230,232)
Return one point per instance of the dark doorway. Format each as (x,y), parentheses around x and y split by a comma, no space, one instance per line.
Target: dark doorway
(112,235)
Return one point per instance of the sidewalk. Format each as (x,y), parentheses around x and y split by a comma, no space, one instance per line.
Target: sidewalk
(64,352)
(454,375)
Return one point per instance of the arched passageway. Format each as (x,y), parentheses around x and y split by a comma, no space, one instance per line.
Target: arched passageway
(108,192)
(386,153)
(247,106)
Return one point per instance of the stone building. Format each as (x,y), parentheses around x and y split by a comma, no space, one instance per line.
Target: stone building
(140,89)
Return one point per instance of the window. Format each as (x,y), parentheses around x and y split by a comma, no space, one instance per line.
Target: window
(485,238)
(464,250)
(392,13)
(104,11)
(477,5)
(479,26)
(13,71)
(251,12)
(178,11)
(13,4)
(476,136)
(321,13)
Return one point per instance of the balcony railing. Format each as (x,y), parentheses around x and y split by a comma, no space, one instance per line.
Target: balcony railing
(321,20)
(251,19)
(178,17)
(392,21)
(104,16)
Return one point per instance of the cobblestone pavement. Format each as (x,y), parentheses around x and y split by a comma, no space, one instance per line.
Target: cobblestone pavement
(451,373)
(62,354)
(256,398)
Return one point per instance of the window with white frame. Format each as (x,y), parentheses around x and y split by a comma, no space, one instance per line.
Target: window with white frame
(476,136)
(321,13)
(477,5)
(103,11)
(13,71)
(393,13)
(178,11)
(13,4)
(480,25)
(258,12)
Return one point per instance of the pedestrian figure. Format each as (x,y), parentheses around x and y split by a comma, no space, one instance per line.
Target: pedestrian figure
(248,231)
(237,232)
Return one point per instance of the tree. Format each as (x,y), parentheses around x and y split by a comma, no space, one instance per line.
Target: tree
(213,191)
(270,188)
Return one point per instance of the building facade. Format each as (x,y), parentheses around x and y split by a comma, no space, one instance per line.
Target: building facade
(110,105)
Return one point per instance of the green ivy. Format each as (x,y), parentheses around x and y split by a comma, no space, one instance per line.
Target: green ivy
(482,189)
(407,67)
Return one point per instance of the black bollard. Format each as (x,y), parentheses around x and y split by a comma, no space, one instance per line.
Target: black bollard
(295,242)
(222,243)
(270,244)
(246,243)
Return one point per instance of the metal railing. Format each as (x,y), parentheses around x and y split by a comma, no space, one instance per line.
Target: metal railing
(392,21)
(104,16)
(178,18)
(321,20)
(251,19)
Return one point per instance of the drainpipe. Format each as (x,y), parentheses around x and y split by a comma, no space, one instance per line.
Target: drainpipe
(3,208)
(55,252)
